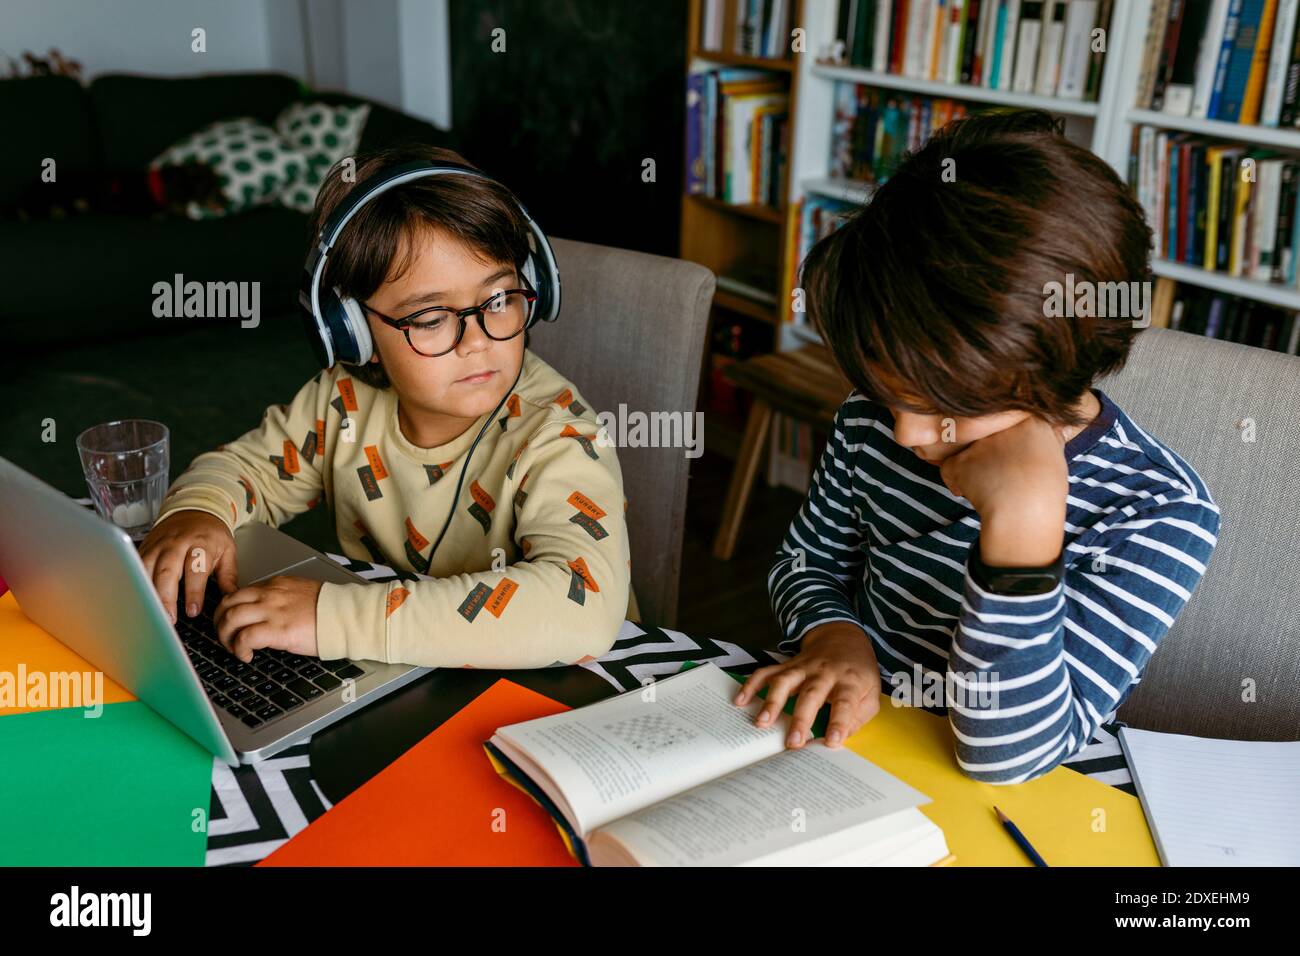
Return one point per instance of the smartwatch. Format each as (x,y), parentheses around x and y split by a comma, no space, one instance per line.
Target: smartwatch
(1015,581)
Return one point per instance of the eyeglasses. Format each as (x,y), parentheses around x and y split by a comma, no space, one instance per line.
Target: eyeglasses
(501,318)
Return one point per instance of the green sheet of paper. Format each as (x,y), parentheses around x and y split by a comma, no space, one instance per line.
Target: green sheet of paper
(121,789)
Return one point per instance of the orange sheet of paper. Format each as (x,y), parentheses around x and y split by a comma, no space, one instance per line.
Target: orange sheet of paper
(1069,818)
(437,803)
(23,642)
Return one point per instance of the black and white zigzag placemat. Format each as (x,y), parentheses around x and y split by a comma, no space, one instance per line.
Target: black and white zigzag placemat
(255,809)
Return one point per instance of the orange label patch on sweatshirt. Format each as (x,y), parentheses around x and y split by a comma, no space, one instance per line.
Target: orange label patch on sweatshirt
(512,411)
(291,464)
(583,440)
(586,506)
(579,566)
(500,596)
(418,541)
(482,507)
(348,394)
(435,472)
(376,463)
(250,496)
(395,599)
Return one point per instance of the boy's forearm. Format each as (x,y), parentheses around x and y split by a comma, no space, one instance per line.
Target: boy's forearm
(1012,707)
(1022,534)
(532,614)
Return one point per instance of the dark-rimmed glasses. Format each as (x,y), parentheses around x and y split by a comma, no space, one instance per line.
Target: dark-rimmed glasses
(501,317)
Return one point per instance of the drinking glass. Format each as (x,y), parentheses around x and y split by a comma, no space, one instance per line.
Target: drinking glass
(126,466)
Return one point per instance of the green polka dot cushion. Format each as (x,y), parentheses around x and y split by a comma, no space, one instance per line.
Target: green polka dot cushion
(322,135)
(252,162)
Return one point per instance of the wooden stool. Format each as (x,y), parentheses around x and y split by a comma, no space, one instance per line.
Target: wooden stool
(803,384)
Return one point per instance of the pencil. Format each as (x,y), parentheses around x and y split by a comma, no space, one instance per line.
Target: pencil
(1020,839)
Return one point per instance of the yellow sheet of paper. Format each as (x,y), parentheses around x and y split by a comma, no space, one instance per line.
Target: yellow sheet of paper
(23,642)
(1071,819)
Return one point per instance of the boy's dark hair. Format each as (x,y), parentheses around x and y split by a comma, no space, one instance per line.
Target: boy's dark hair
(937,287)
(482,214)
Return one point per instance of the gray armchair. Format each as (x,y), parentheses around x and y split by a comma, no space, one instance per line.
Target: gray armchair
(631,331)
(1239,636)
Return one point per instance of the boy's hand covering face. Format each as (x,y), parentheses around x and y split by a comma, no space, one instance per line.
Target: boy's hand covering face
(1011,467)
(277,613)
(1021,468)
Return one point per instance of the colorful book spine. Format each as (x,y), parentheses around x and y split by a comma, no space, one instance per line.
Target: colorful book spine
(1239,64)
(1259,65)
(1080,17)
(1279,58)
(1228,44)
(695,170)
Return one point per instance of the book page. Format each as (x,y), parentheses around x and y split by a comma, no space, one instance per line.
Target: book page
(622,754)
(1217,802)
(788,800)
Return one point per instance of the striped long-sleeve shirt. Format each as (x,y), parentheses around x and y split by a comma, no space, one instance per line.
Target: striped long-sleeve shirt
(1027,681)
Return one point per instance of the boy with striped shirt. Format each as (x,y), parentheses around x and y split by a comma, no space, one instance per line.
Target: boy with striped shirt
(983,518)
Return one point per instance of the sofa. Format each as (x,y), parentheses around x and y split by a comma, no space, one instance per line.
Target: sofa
(76,303)
(86,278)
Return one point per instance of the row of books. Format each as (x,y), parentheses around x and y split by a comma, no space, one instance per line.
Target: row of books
(873,128)
(1223,208)
(1232,60)
(1231,318)
(1047,47)
(757,27)
(790,454)
(817,217)
(737,135)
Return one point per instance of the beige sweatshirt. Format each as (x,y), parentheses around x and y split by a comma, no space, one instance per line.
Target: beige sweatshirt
(534,568)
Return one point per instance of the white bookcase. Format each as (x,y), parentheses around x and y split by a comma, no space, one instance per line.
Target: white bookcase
(1104,126)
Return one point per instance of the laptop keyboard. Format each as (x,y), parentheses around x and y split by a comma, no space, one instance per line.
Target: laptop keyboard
(274,684)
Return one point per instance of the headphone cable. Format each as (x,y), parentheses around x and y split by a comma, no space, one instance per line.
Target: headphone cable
(460,481)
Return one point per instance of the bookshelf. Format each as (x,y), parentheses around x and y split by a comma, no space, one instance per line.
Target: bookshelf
(1130,114)
(1106,126)
(1255,135)
(955,91)
(737,241)
(1087,122)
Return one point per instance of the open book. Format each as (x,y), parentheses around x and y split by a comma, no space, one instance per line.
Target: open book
(675,774)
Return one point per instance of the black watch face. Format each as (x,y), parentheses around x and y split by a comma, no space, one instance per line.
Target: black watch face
(1024,583)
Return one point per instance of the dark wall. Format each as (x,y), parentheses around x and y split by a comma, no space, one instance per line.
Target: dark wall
(585,91)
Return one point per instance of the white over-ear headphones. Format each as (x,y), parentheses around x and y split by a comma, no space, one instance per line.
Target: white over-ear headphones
(336,324)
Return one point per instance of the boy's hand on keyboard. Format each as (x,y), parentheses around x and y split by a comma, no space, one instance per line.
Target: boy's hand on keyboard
(190,546)
(279,612)
(836,665)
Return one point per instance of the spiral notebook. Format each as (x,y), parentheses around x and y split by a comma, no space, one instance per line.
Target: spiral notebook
(1217,802)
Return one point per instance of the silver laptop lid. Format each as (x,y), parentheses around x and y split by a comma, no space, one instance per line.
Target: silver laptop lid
(81,579)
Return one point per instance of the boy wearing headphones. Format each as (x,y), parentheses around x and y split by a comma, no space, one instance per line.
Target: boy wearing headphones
(419,312)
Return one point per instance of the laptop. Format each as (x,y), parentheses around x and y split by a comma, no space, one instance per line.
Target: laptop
(81,579)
